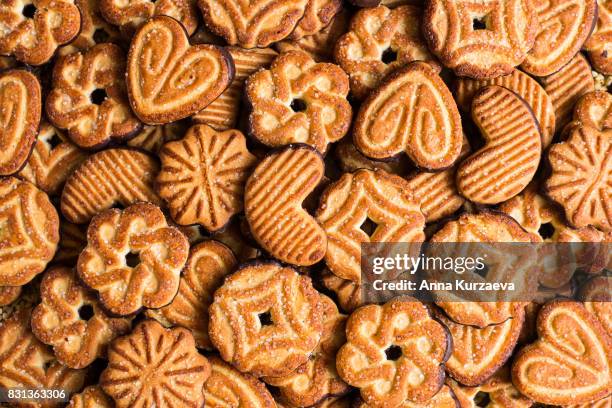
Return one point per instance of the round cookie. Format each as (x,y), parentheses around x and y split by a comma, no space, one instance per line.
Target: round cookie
(88,97)
(32,30)
(484,227)
(570,340)
(358,201)
(317,380)
(130,15)
(133,259)
(379,41)
(252,24)
(521,84)
(479,352)
(154,366)
(227,386)
(53,159)
(412,111)
(208,264)
(110,177)
(511,154)
(70,319)
(298,101)
(580,178)
(20,98)
(480,40)
(394,352)
(564,26)
(202,176)
(599,44)
(28,363)
(94,29)
(167,79)
(261,301)
(91,397)
(29,232)
(273,199)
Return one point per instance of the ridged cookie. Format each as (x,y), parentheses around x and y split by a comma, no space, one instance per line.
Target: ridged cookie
(107,178)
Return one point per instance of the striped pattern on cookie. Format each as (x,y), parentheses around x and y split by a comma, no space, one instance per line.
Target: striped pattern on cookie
(513,145)
(113,176)
(273,205)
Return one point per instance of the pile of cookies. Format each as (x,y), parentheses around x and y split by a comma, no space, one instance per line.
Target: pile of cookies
(185,187)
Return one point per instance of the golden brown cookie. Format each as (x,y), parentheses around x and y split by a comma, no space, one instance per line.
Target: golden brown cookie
(260,302)
(317,45)
(480,40)
(130,15)
(594,109)
(208,264)
(167,79)
(273,199)
(223,112)
(497,392)
(88,97)
(227,387)
(202,176)
(29,231)
(437,191)
(524,86)
(445,398)
(28,363)
(298,101)
(564,25)
(94,28)
(154,366)
(570,363)
(69,319)
(239,242)
(21,107)
(599,44)
(108,178)
(511,154)
(252,24)
(53,159)
(133,259)
(318,14)
(602,403)
(33,29)
(91,397)
(8,294)
(479,352)
(412,111)
(350,159)
(317,379)
(596,294)
(348,293)
(484,227)
(366,206)
(379,41)
(581,177)
(73,238)
(394,352)
(566,86)
(152,138)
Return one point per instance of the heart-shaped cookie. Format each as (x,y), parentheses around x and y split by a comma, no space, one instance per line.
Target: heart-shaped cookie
(170,80)
(571,362)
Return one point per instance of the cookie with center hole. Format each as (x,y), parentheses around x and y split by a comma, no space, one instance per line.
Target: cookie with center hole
(133,258)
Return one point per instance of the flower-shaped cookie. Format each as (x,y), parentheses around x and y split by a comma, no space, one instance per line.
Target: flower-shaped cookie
(133,258)
(33,29)
(379,41)
(202,176)
(70,319)
(394,352)
(89,97)
(266,319)
(298,101)
(155,367)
